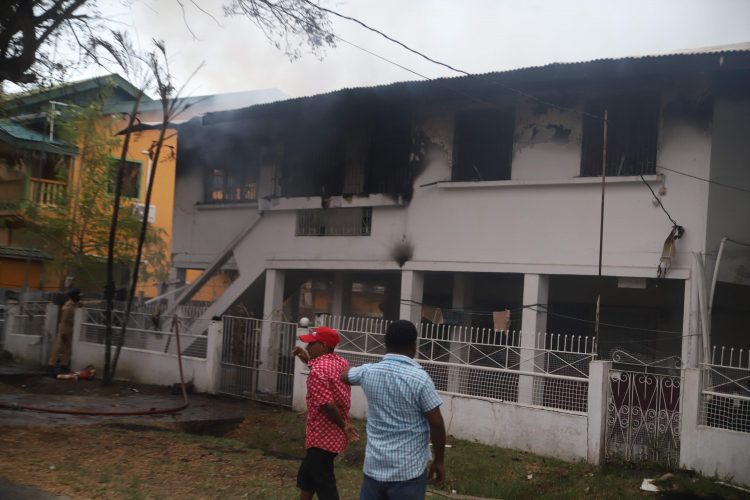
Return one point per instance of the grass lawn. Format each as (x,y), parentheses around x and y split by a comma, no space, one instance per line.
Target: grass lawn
(260,457)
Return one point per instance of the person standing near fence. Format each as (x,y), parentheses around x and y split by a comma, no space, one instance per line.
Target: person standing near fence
(403,413)
(328,429)
(59,359)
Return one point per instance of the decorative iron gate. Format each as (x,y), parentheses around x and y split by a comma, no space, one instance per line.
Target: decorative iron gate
(643,414)
(257,361)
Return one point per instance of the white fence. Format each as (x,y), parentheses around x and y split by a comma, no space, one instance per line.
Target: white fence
(546,370)
(29,318)
(725,395)
(146,331)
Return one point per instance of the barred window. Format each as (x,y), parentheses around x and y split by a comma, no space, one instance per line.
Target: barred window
(334,222)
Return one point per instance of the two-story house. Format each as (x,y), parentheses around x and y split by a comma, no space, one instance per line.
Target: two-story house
(37,167)
(485,193)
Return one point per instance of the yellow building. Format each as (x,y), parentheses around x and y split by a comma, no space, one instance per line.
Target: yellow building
(34,116)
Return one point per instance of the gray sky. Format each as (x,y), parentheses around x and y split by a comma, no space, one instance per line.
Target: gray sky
(474,35)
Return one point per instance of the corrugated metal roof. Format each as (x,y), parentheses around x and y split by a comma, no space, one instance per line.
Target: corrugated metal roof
(553,70)
(23,253)
(25,138)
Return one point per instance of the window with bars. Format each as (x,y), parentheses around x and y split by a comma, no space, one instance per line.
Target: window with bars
(334,222)
(630,144)
(230,187)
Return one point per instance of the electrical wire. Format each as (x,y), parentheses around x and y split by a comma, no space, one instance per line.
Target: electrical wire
(728,186)
(674,223)
(551,313)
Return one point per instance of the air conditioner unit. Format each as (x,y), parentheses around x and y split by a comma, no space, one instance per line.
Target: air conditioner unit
(138,209)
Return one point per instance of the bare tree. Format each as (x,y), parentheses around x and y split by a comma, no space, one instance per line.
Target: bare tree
(289,25)
(30,30)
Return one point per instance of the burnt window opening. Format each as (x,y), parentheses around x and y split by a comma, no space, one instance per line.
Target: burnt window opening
(388,156)
(483,145)
(131,179)
(352,158)
(312,166)
(225,186)
(632,128)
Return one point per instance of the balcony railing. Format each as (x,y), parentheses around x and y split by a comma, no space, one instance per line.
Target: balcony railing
(48,191)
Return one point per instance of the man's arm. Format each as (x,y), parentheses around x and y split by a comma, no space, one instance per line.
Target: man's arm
(333,412)
(437,436)
(345,376)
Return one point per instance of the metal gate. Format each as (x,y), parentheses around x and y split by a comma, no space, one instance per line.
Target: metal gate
(256,359)
(643,413)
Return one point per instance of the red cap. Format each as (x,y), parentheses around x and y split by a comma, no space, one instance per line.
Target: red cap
(327,336)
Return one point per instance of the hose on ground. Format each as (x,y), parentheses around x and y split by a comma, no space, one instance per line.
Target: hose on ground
(131,413)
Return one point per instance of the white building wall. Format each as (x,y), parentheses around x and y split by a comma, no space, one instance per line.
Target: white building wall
(729,209)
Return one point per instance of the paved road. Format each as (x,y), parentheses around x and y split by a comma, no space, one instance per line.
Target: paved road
(15,491)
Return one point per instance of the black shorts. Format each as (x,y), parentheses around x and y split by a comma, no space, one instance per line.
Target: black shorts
(316,474)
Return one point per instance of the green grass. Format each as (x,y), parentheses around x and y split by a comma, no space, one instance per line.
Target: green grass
(260,458)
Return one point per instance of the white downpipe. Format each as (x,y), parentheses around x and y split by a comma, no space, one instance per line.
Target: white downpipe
(700,282)
(716,274)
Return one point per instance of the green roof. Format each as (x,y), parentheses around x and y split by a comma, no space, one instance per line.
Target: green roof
(76,92)
(24,138)
(23,253)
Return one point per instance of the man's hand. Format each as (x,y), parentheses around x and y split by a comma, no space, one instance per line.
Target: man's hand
(352,433)
(301,354)
(437,473)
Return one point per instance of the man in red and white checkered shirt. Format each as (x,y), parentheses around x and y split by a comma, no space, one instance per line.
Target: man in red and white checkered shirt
(328,401)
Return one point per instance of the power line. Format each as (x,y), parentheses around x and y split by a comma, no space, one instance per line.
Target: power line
(546,311)
(728,186)
(674,223)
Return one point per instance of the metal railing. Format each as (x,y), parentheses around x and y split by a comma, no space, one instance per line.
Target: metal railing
(725,392)
(147,331)
(255,371)
(48,191)
(334,222)
(29,319)
(483,362)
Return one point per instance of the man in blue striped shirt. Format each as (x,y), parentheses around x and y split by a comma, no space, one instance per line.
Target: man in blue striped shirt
(403,413)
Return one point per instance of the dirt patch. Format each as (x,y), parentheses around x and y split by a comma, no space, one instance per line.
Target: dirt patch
(10,384)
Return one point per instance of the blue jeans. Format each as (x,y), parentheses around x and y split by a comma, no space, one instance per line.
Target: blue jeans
(413,489)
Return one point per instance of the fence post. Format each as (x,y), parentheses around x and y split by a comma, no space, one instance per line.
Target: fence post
(597,409)
(299,385)
(273,301)
(690,396)
(533,320)
(78,317)
(11,317)
(49,334)
(214,349)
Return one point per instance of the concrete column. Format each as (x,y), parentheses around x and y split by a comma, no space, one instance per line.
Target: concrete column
(533,322)
(597,409)
(461,298)
(412,291)
(177,277)
(214,349)
(340,293)
(269,343)
(691,329)
(50,332)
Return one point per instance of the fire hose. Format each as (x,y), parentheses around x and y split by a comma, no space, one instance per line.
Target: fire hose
(131,413)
